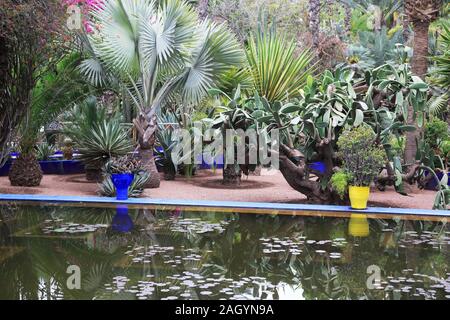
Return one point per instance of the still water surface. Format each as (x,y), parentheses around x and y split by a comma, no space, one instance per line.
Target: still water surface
(64,252)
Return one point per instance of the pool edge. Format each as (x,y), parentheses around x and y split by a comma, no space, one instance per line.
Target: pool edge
(222,204)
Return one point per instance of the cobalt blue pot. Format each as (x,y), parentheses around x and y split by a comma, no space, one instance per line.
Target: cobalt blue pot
(318,166)
(122,221)
(51,167)
(433,184)
(122,181)
(4,171)
(73,167)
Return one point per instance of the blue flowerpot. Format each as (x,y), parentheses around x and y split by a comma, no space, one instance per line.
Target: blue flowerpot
(122,181)
(51,167)
(217,162)
(73,166)
(318,166)
(122,221)
(433,184)
(4,171)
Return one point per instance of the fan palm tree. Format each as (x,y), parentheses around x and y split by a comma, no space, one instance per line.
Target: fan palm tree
(161,50)
(421,13)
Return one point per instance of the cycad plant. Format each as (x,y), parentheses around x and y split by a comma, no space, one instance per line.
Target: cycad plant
(160,49)
(57,88)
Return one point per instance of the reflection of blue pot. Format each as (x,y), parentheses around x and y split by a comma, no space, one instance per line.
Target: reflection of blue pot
(122,222)
(122,181)
(318,166)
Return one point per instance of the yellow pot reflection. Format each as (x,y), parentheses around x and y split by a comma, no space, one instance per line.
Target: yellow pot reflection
(358,226)
(359,197)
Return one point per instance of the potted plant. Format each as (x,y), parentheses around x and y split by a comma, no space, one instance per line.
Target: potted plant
(122,170)
(363,159)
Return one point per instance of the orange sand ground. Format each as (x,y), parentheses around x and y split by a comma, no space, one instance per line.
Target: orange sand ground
(206,185)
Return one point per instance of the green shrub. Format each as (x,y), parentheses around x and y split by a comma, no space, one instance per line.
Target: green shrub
(436,131)
(445,147)
(363,158)
(339,182)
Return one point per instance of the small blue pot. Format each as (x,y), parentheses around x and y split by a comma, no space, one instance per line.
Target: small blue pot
(433,184)
(318,166)
(4,171)
(122,221)
(122,181)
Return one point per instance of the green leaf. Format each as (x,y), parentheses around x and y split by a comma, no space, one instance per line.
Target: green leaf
(359,118)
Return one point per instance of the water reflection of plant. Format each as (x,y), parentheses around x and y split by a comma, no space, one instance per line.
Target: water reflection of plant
(235,252)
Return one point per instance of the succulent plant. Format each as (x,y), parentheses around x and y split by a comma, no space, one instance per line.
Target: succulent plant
(123,164)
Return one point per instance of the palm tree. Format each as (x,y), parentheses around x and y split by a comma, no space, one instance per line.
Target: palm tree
(421,13)
(160,50)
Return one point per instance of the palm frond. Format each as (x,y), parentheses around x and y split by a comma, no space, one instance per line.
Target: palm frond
(438,105)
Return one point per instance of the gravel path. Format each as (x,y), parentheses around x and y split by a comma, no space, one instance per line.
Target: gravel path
(269,187)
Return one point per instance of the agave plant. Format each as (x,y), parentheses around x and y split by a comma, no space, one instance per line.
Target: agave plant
(97,136)
(162,50)
(375,48)
(44,150)
(101,142)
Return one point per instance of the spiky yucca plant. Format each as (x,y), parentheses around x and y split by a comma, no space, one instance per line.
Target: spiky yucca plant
(277,72)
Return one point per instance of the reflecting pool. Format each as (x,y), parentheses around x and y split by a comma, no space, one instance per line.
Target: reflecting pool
(55,251)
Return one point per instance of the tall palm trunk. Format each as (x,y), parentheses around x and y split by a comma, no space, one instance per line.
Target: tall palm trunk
(419,68)
(348,19)
(146,138)
(314,21)
(232,174)
(420,13)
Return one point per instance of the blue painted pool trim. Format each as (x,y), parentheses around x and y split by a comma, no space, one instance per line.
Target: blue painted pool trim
(223,204)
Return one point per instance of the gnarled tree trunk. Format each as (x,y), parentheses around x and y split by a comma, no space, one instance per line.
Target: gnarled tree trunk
(293,169)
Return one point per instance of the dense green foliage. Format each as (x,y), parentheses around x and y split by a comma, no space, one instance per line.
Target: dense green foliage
(363,158)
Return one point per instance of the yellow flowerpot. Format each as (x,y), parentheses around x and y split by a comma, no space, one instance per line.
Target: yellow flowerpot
(358,226)
(359,197)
